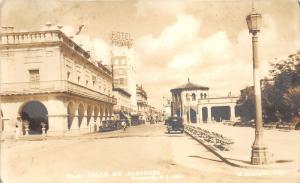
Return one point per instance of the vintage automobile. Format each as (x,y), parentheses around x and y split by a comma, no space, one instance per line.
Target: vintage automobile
(108,125)
(174,124)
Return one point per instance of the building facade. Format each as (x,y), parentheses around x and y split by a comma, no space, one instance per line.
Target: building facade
(47,79)
(122,109)
(193,103)
(166,113)
(142,103)
(123,63)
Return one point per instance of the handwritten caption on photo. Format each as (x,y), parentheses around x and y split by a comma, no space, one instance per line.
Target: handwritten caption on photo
(133,175)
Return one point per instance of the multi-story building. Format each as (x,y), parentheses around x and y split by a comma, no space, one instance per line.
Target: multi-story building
(154,115)
(48,80)
(166,112)
(141,96)
(123,63)
(123,108)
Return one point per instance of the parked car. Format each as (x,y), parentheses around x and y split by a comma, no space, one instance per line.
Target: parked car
(174,124)
(108,125)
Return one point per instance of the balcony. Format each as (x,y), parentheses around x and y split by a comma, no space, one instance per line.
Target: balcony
(44,87)
(141,102)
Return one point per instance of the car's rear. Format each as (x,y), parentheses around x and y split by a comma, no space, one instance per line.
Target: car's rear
(175,125)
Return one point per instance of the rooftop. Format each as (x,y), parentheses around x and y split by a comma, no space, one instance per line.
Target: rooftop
(189,86)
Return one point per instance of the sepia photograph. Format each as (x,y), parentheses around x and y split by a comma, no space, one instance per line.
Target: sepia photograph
(149,91)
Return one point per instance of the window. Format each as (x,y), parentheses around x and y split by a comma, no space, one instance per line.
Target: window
(122,81)
(193,96)
(201,95)
(34,75)
(78,79)
(86,82)
(205,95)
(94,80)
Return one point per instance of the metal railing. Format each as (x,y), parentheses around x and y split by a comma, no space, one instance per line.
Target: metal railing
(22,88)
(209,138)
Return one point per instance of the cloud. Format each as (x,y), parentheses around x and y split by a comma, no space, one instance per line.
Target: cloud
(181,32)
(99,49)
(184,61)
(223,64)
(166,7)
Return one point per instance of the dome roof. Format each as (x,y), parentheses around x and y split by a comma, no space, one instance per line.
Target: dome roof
(189,86)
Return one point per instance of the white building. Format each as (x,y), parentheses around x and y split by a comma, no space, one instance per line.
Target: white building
(194,104)
(46,78)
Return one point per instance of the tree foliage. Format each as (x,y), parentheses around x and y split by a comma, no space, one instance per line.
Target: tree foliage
(280,97)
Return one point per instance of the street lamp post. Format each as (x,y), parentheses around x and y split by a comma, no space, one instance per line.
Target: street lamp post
(259,150)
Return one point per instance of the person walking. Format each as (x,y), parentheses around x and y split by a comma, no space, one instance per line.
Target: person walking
(123,125)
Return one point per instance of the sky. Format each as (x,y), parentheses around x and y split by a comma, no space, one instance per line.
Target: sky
(204,40)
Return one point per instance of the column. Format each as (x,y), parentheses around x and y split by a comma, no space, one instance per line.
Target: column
(57,117)
(84,127)
(74,123)
(208,114)
(232,112)
(200,114)
(185,114)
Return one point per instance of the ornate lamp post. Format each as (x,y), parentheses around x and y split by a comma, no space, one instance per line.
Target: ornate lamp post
(259,150)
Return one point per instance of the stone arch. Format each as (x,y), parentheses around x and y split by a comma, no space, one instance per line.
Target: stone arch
(35,113)
(204,114)
(101,112)
(106,113)
(193,115)
(96,113)
(219,113)
(71,114)
(80,112)
(89,112)
(110,112)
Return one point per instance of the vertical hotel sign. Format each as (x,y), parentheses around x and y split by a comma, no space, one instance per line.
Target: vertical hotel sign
(121,39)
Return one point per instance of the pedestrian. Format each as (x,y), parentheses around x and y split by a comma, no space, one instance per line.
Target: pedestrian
(123,125)
(17,132)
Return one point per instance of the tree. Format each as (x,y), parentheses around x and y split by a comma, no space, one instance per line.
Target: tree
(246,104)
(280,97)
(286,74)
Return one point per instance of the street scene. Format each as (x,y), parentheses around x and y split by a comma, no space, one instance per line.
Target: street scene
(149,91)
(140,154)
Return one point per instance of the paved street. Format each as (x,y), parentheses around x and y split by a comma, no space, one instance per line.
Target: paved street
(141,154)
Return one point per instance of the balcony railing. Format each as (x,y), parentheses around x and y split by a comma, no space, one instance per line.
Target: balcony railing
(25,88)
(48,37)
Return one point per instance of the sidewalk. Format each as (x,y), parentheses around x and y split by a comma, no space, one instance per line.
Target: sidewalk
(131,131)
(283,147)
